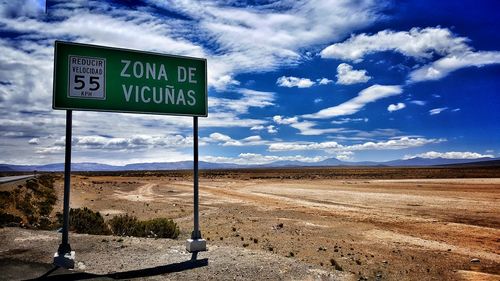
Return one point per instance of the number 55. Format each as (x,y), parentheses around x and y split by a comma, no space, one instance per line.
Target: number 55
(94,80)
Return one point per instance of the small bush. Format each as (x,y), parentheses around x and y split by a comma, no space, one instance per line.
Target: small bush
(32,184)
(86,221)
(59,220)
(25,205)
(32,220)
(45,223)
(46,180)
(5,198)
(161,228)
(35,200)
(46,206)
(48,199)
(125,225)
(6,218)
(337,266)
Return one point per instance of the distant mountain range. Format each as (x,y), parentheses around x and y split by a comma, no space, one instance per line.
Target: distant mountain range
(187,165)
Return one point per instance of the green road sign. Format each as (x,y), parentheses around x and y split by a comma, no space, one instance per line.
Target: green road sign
(97,78)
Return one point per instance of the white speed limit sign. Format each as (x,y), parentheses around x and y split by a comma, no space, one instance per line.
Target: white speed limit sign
(87,77)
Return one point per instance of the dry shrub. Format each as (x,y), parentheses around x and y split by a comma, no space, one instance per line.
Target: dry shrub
(6,198)
(126,225)
(161,228)
(6,219)
(335,264)
(87,221)
(33,201)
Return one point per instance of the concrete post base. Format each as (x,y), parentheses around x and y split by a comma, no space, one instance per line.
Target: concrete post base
(67,261)
(196,245)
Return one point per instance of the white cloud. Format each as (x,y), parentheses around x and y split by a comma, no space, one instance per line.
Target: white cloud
(252,139)
(396,107)
(418,102)
(377,133)
(271,129)
(291,146)
(352,106)
(48,127)
(257,159)
(307,128)
(26,8)
(113,150)
(257,128)
(394,144)
(348,120)
(50,150)
(324,81)
(291,81)
(218,119)
(418,43)
(318,100)
(450,155)
(250,98)
(223,82)
(226,140)
(345,155)
(285,121)
(442,67)
(331,146)
(347,76)
(246,35)
(368,95)
(218,137)
(34,141)
(129,143)
(12,134)
(437,110)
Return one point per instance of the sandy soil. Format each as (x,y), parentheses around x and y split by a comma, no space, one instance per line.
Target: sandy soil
(410,229)
(26,254)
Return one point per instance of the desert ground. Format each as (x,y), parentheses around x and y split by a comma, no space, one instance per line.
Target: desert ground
(371,224)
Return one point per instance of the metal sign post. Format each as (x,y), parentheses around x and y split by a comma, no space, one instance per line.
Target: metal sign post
(196,243)
(64,257)
(196,232)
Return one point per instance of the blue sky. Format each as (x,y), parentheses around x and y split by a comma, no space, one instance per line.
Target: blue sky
(288,80)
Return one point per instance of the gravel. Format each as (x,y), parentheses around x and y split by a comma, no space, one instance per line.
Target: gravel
(148,259)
